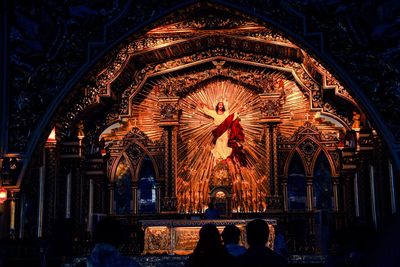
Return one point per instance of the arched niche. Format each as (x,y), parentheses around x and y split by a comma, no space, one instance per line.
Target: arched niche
(323,198)
(123,187)
(296,184)
(147,200)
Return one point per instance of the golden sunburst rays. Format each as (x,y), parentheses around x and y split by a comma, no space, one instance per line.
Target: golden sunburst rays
(146,114)
(293,112)
(195,160)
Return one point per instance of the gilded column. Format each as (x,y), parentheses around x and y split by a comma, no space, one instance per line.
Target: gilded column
(268,160)
(167,163)
(169,120)
(271,103)
(275,159)
(174,160)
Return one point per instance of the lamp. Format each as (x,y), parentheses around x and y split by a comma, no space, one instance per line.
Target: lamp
(3,195)
(52,136)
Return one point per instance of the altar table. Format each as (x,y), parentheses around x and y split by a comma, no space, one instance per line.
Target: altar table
(180,236)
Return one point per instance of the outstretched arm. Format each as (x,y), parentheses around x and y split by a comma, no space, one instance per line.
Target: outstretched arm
(206,110)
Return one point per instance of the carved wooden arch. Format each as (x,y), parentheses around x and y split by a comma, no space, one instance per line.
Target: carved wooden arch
(146,152)
(289,160)
(135,171)
(309,169)
(225,189)
(155,167)
(116,163)
(310,66)
(328,156)
(300,77)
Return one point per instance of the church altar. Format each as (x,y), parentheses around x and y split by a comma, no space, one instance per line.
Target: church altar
(180,236)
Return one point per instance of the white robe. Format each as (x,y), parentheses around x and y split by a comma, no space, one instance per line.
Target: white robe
(221,149)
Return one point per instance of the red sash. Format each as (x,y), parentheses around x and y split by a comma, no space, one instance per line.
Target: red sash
(225,125)
(236,136)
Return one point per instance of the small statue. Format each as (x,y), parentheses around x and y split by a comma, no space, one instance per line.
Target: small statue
(356,120)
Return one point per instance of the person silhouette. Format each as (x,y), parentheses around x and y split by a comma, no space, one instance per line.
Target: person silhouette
(108,235)
(258,254)
(211,212)
(209,250)
(231,236)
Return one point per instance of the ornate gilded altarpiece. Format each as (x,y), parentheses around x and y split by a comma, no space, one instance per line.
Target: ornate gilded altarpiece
(275,86)
(139,101)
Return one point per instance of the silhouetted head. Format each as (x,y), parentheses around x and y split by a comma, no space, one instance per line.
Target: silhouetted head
(220,106)
(108,230)
(257,232)
(211,206)
(209,240)
(231,234)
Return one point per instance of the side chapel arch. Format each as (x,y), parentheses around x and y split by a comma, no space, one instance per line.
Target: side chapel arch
(315,146)
(309,145)
(168,54)
(135,168)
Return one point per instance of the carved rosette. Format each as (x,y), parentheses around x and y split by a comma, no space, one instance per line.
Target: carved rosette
(270,106)
(169,111)
(308,149)
(220,176)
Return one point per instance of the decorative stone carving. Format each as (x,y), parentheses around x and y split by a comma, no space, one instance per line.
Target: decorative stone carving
(270,105)
(135,153)
(270,108)
(220,176)
(169,111)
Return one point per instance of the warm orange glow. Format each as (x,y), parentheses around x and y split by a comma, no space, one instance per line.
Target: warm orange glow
(3,195)
(80,134)
(52,136)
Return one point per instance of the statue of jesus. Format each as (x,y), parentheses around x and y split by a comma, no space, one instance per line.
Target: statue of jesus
(228,139)
(228,136)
